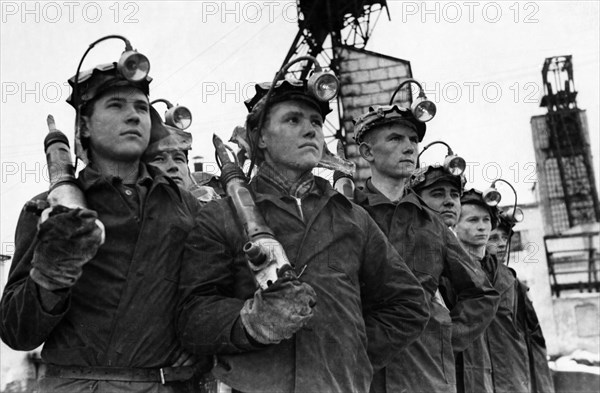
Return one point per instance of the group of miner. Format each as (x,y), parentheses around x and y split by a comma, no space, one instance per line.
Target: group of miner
(402,286)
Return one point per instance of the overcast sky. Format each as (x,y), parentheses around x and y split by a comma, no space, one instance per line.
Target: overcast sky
(480,61)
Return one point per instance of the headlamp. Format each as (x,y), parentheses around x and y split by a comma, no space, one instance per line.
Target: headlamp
(492,197)
(323,86)
(133,65)
(493,194)
(517,214)
(422,108)
(453,164)
(176,116)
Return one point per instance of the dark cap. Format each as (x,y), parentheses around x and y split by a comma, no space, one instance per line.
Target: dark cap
(506,222)
(94,82)
(386,114)
(285,90)
(164,137)
(430,175)
(475,197)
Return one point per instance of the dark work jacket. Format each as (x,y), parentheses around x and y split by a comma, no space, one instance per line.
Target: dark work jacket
(121,311)
(497,361)
(506,337)
(369,304)
(431,251)
(541,376)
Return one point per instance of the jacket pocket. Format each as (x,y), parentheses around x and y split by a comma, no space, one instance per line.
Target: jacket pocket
(447,353)
(343,250)
(440,316)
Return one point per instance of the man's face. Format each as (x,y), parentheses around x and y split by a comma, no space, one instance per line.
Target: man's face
(444,198)
(474,226)
(119,127)
(292,139)
(392,150)
(498,244)
(173,163)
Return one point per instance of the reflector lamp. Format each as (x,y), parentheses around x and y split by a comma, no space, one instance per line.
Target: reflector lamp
(422,108)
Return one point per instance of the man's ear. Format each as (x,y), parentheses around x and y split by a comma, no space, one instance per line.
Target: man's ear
(261,141)
(366,152)
(83,126)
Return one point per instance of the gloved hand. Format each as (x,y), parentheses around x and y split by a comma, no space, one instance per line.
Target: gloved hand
(66,241)
(278,312)
(204,194)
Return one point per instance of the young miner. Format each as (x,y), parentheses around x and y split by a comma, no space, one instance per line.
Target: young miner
(388,139)
(440,190)
(498,360)
(502,332)
(168,151)
(369,305)
(104,312)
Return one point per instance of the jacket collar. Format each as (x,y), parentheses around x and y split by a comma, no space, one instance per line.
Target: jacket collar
(267,191)
(147,176)
(269,174)
(374,197)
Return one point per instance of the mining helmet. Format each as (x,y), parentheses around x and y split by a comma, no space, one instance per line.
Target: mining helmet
(475,197)
(92,83)
(432,174)
(285,90)
(509,217)
(506,222)
(164,137)
(386,114)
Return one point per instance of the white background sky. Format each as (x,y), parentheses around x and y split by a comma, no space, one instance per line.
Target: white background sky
(206,55)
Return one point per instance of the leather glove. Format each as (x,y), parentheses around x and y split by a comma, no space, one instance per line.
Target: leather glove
(66,242)
(278,312)
(204,194)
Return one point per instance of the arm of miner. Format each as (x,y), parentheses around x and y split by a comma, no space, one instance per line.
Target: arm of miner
(210,301)
(394,305)
(476,299)
(532,323)
(28,312)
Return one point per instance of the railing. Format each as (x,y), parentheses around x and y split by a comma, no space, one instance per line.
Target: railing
(573,262)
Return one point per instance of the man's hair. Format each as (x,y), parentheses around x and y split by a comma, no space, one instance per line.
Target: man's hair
(87,110)
(253,133)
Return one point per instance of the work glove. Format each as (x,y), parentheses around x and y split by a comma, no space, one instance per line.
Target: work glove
(67,240)
(204,194)
(278,312)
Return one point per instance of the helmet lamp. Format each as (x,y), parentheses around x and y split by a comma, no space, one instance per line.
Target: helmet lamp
(323,85)
(133,65)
